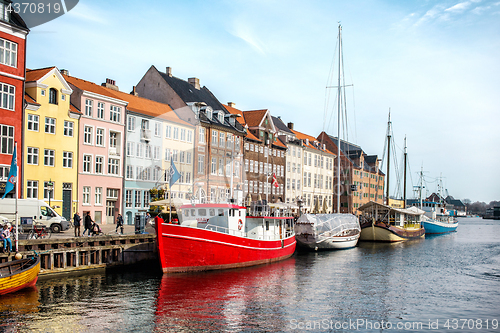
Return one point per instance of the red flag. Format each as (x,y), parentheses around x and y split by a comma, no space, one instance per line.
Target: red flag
(275,181)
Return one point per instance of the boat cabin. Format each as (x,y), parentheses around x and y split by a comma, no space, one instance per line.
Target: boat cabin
(392,216)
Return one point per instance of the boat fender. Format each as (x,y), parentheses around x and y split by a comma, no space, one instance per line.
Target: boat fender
(240,224)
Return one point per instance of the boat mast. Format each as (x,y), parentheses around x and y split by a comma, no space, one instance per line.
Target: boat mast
(404,184)
(388,156)
(338,120)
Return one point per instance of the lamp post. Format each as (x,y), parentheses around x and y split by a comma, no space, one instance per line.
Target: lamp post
(299,203)
(50,186)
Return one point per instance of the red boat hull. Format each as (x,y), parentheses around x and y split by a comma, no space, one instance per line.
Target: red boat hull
(184,249)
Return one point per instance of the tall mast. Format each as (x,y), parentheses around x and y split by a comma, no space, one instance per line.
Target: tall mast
(338,121)
(404,184)
(388,156)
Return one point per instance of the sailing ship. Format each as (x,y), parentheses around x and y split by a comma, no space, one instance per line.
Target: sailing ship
(19,274)
(214,236)
(330,231)
(383,223)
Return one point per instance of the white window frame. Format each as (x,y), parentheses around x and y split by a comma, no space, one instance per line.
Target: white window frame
(68,128)
(88,132)
(99,138)
(32,189)
(8,52)
(7,96)
(100,110)
(33,122)
(87,163)
(32,155)
(113,166)
(86,195)
(99,165)
(49,155)
(50,125)
(67,159)
(88,107)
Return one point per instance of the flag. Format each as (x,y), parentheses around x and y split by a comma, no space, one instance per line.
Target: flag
(173,173)
(12,174)
(275,181)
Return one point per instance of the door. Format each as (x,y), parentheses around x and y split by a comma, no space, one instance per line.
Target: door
(66,205)
(110,211)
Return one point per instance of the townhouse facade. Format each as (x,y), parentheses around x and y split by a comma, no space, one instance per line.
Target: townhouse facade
(13,32)
(51,141)
(218,142)
(100,149)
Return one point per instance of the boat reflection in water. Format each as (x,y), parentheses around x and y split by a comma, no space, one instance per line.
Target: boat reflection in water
(240,299)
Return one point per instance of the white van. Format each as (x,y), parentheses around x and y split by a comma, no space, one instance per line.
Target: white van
(38,210)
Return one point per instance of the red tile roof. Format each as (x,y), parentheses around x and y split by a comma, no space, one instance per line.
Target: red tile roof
(232,110)
(36,74)
(253,137)
(254,118)
(74,109)
(311,139)
(30,99)
(90,86)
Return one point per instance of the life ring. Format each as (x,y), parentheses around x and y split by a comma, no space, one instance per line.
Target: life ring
(240,224)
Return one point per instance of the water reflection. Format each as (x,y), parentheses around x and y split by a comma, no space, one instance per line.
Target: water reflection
(233,300)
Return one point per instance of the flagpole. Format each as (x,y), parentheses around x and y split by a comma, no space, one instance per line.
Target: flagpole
(17,195)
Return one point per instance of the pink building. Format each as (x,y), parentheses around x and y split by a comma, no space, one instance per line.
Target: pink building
(100,156)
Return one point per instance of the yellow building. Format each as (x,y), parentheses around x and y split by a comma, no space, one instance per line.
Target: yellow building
(50,141)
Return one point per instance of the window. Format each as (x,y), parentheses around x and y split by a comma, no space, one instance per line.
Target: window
(201,163)
(32,189)
(168,131)
(33,122)
(100,110)
(147,151)
(113,166)
(188,157)
(189,136)
(50,125)
(114,113)
(86,195)
(86,163)
(32,156)
(88,107)
(214,166)
(146,198)
(68,128)
(183,134)
(49,157)
(157,129)
(67,159)
(47,192)
(130,149)
(52,96)
(176,133)
(6,139)
(87,135)
(201,139)
(140,150)
(128,198)
(222,137)
(175,153)
(98,195)
(221,117)
(182,156)
(8,50)
(221,167)
(215,135)
(130,172)
(156,152)
(99,137)
(99,161)
(138,199)
(131,124)
(113,139)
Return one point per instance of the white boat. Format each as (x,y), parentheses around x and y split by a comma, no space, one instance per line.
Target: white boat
(327,231)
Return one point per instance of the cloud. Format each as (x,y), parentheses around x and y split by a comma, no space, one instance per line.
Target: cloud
(244,32)
(459,7)
(86,13)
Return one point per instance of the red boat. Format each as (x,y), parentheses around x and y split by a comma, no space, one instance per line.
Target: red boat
(221,236)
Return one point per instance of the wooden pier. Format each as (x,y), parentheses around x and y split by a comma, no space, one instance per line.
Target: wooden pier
(64,255)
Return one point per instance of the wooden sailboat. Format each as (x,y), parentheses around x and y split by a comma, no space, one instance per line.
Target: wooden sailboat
(329,231)
(383,223)
(19,274)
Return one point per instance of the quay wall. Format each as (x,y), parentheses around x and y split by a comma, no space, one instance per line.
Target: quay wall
(67,255)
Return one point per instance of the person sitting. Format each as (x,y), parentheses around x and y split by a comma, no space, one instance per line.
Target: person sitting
(6,236)
(96,230)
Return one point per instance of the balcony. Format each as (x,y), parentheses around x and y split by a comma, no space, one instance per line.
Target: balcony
(145,134)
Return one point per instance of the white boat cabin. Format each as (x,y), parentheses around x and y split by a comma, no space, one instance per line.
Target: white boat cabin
(262,222)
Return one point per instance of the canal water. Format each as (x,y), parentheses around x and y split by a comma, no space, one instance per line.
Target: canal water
(446,283)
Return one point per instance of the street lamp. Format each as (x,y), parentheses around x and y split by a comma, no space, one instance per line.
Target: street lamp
(50,186)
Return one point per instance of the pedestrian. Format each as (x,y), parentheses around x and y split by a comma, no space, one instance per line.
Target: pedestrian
(6,237)
(76,223)
(87,224)
(119,223)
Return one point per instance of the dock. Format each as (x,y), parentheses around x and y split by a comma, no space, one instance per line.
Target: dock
(66,254)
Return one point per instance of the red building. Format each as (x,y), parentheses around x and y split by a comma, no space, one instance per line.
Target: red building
(13,32)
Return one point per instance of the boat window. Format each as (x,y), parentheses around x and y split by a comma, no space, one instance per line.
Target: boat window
(211,212)
(267,225)
(193,212)
(186,212)
(202,212)
(240,213)
(221,212)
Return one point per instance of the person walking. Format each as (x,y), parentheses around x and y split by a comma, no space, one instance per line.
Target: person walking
(87,224)
(6,237)
(76,223)
(119,223)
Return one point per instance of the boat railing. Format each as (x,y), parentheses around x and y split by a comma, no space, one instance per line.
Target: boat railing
(337,231)
(225,230)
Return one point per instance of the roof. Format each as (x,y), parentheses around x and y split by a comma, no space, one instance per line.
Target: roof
(310,141)
(254,118)
(281,125)
(36,74)
(30,99)
(376,205)
(232,110)
(345,146)
(252,137)
(90,86)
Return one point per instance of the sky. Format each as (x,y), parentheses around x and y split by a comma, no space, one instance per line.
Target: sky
(434,64)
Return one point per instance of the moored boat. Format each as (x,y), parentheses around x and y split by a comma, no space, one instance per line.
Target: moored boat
(221,236)
(18,274)
(327,231)
(433,226)
(382,223)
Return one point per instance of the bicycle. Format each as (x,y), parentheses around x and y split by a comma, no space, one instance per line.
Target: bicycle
(39,231)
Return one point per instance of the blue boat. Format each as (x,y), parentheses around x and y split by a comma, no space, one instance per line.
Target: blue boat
(437,219)
(432,226)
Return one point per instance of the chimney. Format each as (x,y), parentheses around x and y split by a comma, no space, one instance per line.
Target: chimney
(134,92)
(111,84)
(195,82)
(64,72)
(231,104)
(290,126)
(168,71)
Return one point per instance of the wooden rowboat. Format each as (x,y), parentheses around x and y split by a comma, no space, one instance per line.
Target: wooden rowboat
(18,274)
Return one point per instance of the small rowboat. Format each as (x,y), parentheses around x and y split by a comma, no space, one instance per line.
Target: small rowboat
(18,274)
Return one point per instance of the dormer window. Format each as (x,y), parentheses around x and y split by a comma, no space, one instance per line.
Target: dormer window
(208,112)
(52,96)
(4,11)
(221,117)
